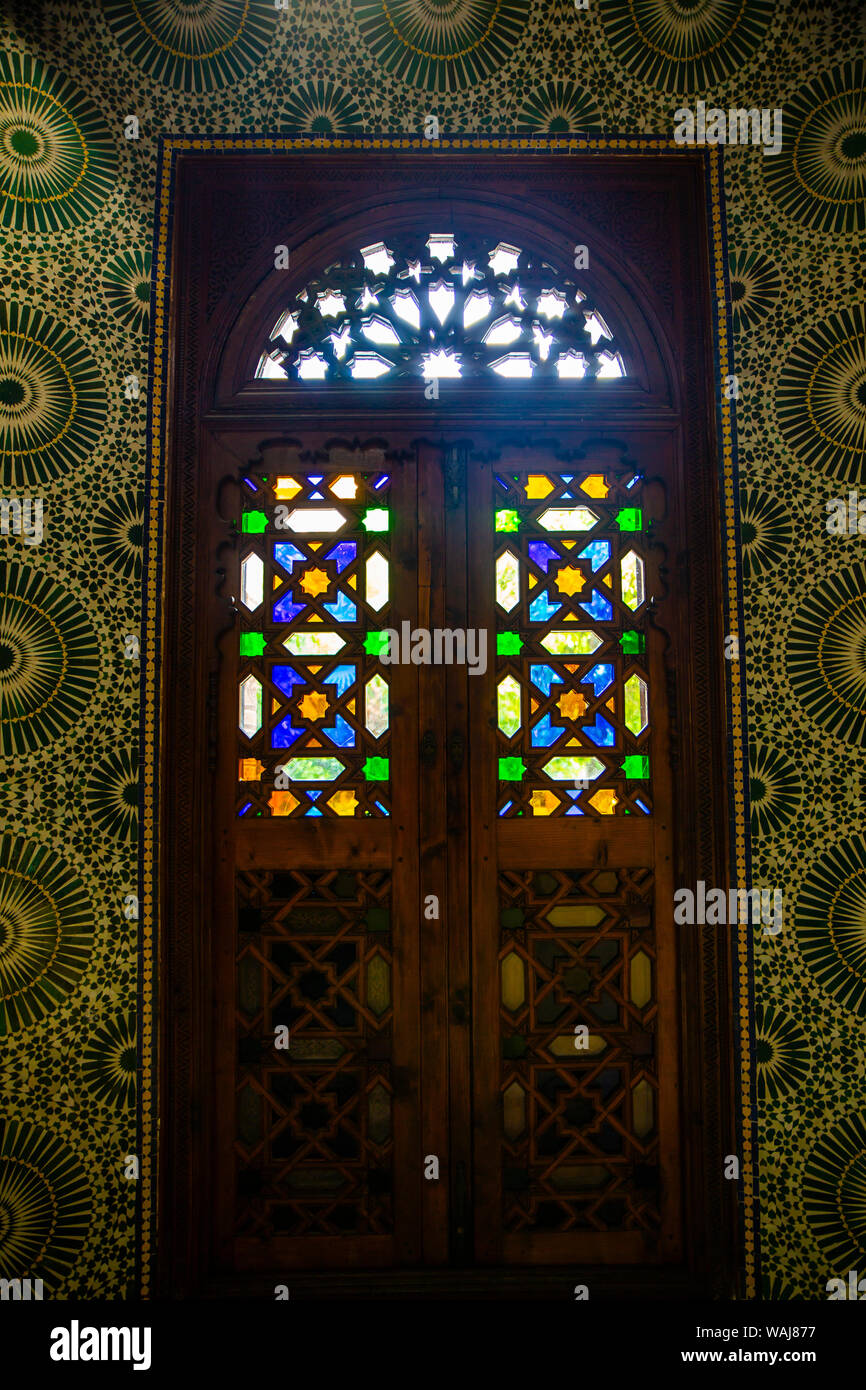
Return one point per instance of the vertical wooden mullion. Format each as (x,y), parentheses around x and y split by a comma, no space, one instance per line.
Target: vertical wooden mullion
(432,865)
(486,1120)
(458,935)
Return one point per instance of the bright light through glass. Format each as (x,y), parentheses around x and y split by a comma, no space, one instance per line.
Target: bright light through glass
(442,363)
(377,258)
(552,304)
(407,307)
(441,246)
(476,307)
(596,326)
(311,366)
(441,298)
(330,302)
(503,331)
(340,340)
(514,364)
(504,258)
(571,364)
(367,365)
(379,330)
(286,327)
(611,366)
(270,369)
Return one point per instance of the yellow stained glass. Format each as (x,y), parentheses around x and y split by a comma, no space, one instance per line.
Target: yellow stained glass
(313,706)
(250,769)
(343,803)
(571,705)
(563,1046)
(595,485)
(543,803)
(314,582)
(538,486)
(513,985)
(570,580)
(604,801)
(640,979)
(575,915)
(286,488)
(642,1107)
(378,985)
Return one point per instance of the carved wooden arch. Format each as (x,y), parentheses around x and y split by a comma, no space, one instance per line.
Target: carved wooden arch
(616,287)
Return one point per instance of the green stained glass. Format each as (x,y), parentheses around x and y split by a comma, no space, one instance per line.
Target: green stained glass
(511,769)
(636,766)
(508,698)
(508,644)
(378,985)
(571,642)
(252,643)
(312,769)
(507,521)
(630,519)
(255,522)
(376,643)
(515,1046)
(507,581)
(376,770)
(376,519)
(566,768)
(632,641)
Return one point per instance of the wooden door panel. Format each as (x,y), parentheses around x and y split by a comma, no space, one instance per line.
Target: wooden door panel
(319,1140)
(575,1026)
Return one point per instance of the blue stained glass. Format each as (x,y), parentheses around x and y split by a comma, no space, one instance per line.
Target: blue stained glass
(541,554)
(244,809)
(502,483)
(572,792)
(544,677)
(599,609)
(284,677)
(342,677)
(251,485)
(506,808)
(383,809)
(344,610)
(638,478)
(314,793)
(284,735)
(286,611)
(598,552)
(313,811)
(599,677)
(317,496)
(574,811)
(341,732)
(566,477)
(344,554)
(544,733)
(601,732)
(642,805)
(287,554)
(540,609)
(382,479)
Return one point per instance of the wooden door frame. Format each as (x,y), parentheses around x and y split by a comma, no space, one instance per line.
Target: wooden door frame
(206,399)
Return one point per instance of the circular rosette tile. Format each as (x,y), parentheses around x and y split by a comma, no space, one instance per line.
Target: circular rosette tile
(782,1052)
(46,931)
(109,1063)
(57,156)
(111,795)
(685,47)
(52,398)
(49,661)
(441,45)
(126,281)
(755,287)
(826,655)
(117,535)
(775,789)
(765,534)
(834,1194)
(831,922)
(559,107)
(819,177)
(320,108)
(196,46)
(45,1205)
(821,396)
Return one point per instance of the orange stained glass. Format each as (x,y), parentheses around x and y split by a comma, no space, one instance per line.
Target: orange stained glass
(250,769)
(282,803)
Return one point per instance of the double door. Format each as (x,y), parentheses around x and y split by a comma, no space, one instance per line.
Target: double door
(445,1024)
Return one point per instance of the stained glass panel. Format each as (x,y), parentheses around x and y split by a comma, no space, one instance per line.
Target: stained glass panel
(582,747)
(308,682)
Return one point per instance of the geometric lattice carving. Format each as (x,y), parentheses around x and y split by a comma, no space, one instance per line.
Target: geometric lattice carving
(447,308)
(314,595)
(314,1143)
(579,1124)
(573,694)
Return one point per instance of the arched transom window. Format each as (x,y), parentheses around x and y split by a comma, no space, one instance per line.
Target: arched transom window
(450,307)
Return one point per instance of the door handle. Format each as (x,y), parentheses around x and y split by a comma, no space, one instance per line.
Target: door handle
(456,749)
(428,748)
